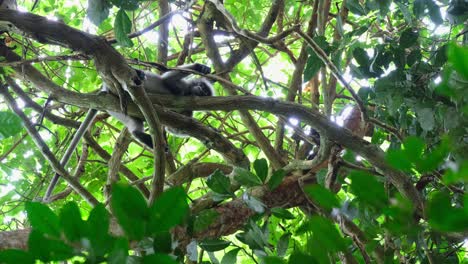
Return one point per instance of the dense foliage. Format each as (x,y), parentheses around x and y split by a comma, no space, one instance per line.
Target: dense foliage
(348,144)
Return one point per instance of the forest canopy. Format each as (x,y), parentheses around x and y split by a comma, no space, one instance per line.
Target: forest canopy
(337,131)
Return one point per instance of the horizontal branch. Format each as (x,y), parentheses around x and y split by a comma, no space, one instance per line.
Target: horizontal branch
(330,130)
(187,125)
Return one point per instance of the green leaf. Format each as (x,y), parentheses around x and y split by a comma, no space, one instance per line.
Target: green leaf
(204,219)
(98,220)
(458,56)
(443,217)
(272,260)
(230,257)
(98,231)
(325,232)
(219,183)
(414,148)
(408,38)
(426,118)
(212,245)
(461,174)
(98,11)
(129,207)
(10,124)
(159,258)
(119,253)
(301,258)
(129,5)
(122,27)
(368,190)
(436,157)
(48,249)
(276,179)
(282,213)
(15,256)
(162,242)
(314,63)
(169,210)
(355,7)
(254,237)
(283,244)
(324,197)
(261,168)
(70,219)
(43,219)
(398,160)
(245,177)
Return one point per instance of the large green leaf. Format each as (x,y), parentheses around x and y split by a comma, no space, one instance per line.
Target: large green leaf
(10,125)
(366,187)
(162,242)
(129,207)
(282,213)
(43,219)
(119,252)
(219,183)
(324,197)
(325,232)
(122,27)
(46,249)
(212,245)
(169,210)
(129,5)
(70,219)
(159,258)
(458,56)
(14,256)
(313,62)
(98,232)
(355,7)
(98,11)
(283,245)
(276,179)
(246,178)
(443,216)
(230,257)
(261,168)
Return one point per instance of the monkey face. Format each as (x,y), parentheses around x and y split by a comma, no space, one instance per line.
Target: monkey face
(201,87)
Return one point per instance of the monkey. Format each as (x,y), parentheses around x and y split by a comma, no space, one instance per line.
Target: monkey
(169,83)
(8,4)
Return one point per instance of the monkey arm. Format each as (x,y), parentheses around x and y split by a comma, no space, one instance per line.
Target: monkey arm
(176,75)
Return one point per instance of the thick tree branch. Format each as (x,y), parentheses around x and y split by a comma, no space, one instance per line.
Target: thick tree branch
(189,126)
